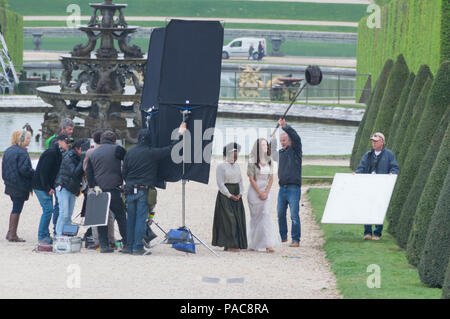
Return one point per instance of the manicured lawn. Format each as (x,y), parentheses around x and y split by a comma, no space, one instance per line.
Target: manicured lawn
(205,8)
(288,48)
(317,170)
(226,26)
(350,257)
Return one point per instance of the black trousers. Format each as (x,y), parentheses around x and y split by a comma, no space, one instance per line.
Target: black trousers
(118,208)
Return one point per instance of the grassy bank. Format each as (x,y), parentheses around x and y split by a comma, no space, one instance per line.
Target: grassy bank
(206,8)
(350,257)
(288,48)
(258,26)
(319,170)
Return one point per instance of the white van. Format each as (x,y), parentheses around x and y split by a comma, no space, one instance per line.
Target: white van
(240,47)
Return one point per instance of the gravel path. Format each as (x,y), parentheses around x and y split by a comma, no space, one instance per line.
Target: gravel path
(288,273)
(226,20)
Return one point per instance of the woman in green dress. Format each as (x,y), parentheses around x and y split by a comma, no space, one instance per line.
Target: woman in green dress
(229,226)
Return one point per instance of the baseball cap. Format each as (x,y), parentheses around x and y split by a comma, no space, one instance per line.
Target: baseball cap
(377,136)
(63,137)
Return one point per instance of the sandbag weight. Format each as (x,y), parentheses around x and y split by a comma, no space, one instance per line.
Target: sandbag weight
(313,75)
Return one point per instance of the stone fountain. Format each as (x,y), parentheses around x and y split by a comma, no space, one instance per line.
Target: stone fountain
(103,87)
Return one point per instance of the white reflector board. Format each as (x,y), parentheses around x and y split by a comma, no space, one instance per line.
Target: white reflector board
(359,199)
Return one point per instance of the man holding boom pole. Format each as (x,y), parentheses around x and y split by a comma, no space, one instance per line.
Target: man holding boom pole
(289,159)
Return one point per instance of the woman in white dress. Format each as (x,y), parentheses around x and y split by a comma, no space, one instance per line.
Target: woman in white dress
(262,230)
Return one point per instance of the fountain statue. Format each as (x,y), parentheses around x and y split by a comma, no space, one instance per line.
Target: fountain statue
(103,87)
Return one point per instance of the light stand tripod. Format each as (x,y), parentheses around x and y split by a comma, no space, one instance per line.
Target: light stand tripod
(185,113)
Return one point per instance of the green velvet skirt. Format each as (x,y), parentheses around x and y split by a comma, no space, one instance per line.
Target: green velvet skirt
(229,227)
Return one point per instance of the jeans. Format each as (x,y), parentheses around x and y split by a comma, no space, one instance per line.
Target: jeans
(48,210)
(55,213)
(377,232)
(289,195)
(137,214)
(118,208)
(66,204)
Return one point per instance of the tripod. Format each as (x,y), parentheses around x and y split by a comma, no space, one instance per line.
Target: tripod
(185,113)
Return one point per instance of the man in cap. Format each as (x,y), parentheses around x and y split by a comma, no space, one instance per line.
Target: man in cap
(140,174)
(65,127)
(44,184)
(379,160)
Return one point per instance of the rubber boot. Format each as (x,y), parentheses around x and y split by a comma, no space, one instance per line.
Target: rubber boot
(13,224)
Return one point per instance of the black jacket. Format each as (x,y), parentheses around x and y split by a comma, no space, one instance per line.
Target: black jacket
(47,169)
(71,172)
(290,160)
(17,172)
(104,166)
(140,166)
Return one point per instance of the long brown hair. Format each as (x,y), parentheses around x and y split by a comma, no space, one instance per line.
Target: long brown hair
(255,155)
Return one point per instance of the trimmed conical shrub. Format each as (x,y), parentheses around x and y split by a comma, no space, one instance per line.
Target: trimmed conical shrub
(427,202)
(400,109)
(414,122)
(373,111)
(403,184)
(436,252)
(446,286)
(435,107)
(360,129)
(394,87)
(409,207)
(422,76)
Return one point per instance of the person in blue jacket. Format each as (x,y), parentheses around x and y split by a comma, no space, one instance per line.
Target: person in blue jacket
(17,174)
(379,160)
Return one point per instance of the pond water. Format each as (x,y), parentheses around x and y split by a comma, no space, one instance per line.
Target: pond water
(317,138)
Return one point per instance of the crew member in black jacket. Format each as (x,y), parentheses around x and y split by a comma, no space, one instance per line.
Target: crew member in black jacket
(104,174)
(290,180)
(68,184)
(44,184)
(140,174)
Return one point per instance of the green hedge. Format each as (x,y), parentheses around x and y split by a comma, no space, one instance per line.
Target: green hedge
(411,28)
(436,252)
(419,107)
(435,108)
(12,28)
(428,200)
(400,109)
(372,112)
(422,76)
(391,97)
(353,160)
(405,221)
(445,31)
(446,286)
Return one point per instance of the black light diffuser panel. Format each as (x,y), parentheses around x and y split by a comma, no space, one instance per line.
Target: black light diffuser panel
(191,63)
(153,70)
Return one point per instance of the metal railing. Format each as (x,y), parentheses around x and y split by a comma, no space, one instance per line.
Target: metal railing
(260,86)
